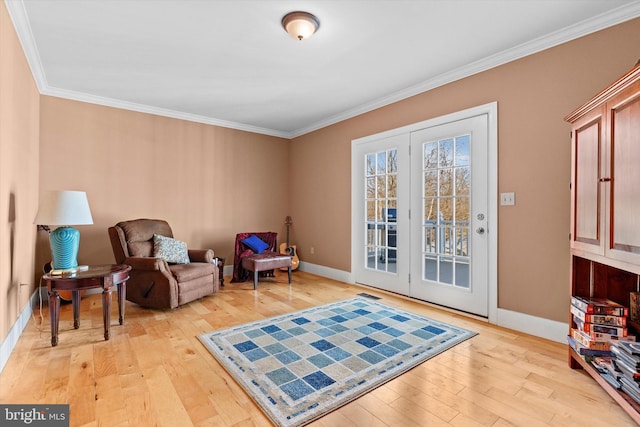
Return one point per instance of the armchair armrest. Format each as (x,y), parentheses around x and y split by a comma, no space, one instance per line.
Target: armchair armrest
(147,263)
(201,255)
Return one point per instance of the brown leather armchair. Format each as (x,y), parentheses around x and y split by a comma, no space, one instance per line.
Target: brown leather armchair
(154,282)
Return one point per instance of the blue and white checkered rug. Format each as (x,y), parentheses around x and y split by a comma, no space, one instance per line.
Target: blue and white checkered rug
(299,366)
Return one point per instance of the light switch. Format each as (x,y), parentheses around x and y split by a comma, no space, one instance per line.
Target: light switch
(507,199)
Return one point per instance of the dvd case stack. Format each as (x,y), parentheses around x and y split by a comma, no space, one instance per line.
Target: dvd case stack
(627,362)
(598,322)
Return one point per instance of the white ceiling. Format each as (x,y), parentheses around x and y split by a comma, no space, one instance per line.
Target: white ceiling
(230,63)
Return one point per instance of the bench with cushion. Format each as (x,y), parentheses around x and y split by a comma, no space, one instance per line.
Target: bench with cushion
(266,261)
(255,253)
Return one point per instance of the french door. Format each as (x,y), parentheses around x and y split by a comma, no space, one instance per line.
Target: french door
(382,169)
(421,213)
(449,197)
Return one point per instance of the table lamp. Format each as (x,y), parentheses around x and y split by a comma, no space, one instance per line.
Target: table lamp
(64,208)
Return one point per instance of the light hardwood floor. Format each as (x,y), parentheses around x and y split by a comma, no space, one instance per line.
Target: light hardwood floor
(154,371)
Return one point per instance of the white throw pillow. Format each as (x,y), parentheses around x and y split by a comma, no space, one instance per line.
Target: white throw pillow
(172,250)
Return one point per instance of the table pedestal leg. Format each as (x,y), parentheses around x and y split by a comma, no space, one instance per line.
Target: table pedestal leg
(54,314)
(122,292)
(106,312)
(75,301)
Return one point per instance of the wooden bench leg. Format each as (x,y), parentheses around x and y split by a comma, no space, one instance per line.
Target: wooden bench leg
(289,273)
(255,279)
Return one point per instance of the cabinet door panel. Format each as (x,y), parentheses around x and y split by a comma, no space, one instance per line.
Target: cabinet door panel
(586,187)
(625,183)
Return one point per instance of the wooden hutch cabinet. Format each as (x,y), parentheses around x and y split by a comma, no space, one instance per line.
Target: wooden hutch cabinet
(605,205)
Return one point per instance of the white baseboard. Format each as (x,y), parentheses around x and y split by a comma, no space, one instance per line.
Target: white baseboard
(331,273)
(227,270)
(9,343)
(538,326)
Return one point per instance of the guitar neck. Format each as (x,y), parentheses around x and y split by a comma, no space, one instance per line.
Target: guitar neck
(287,222)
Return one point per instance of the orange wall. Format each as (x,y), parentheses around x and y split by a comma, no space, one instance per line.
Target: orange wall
(208,182)
(533,94)
(19,110)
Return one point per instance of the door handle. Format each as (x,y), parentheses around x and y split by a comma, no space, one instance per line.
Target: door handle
(480,230)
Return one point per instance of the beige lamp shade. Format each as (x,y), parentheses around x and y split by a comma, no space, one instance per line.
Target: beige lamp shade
(63,208)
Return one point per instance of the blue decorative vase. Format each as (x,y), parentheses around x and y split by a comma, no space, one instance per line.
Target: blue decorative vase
(64,242)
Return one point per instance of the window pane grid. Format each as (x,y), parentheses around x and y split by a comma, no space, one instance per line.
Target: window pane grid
(446,210)
(380,217)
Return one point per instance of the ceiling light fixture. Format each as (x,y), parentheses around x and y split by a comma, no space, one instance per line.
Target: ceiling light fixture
(300,25)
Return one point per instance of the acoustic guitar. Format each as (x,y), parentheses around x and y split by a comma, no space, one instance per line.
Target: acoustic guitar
(288,249)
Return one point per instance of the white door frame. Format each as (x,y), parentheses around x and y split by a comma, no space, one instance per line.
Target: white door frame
(491,110)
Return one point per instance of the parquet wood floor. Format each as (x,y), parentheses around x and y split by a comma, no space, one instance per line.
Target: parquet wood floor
(154,372)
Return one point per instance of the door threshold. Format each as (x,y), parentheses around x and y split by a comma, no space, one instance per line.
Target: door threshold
(427,303)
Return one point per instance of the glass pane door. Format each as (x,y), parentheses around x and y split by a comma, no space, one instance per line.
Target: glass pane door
(449,169)
(421,212)
(380,207)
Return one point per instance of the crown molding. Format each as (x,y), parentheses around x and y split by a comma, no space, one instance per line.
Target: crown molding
(18,15)
(164,112)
